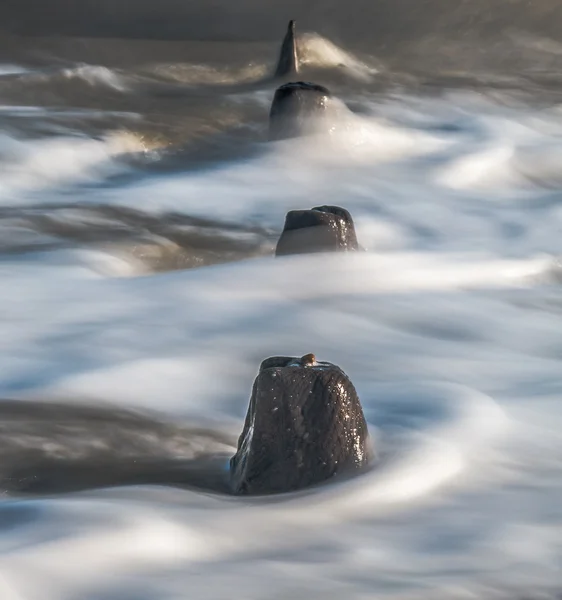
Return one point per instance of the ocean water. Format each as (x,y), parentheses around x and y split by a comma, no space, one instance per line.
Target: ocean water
(140,204)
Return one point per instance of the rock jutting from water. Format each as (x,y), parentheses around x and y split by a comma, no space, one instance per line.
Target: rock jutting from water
(299,108)
(304,425)
(320,229)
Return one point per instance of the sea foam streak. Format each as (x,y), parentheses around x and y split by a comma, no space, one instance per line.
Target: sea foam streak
(32,166)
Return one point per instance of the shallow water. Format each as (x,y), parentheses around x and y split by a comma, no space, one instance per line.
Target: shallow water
(140,204)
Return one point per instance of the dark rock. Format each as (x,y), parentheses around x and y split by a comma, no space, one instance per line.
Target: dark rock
(304,425)
(320,229)
(297,109)
(288,63)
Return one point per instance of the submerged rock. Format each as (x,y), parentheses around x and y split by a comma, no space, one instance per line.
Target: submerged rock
(298,109)
(320,229)
(304,425)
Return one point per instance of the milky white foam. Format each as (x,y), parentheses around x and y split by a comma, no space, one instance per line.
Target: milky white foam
(317,51)
(449,328)
(96,75)
(35,165)
(7,69)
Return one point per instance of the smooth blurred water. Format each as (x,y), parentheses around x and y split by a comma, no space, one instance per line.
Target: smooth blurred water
(137,371)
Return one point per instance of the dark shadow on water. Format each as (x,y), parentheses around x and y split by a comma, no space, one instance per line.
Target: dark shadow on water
(55,448)
(162,242)
(58,476)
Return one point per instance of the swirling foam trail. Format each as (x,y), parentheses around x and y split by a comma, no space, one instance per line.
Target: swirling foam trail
(96,75)
(318,51)
(434,456)
(40,164)
(441,451)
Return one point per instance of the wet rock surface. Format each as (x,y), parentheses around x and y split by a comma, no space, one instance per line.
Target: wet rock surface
(304,425)
(320,229)
(297,109)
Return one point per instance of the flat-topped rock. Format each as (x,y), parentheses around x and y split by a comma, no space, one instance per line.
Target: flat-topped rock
(320,229)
